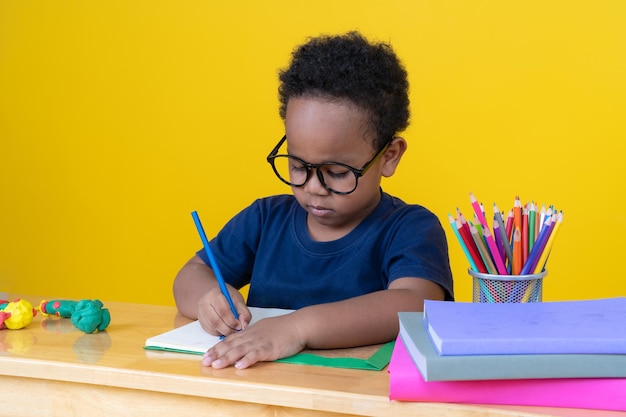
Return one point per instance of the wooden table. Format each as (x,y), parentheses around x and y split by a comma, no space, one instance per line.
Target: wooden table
(53,369)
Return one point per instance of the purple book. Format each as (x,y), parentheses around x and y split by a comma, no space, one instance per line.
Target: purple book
(586,326)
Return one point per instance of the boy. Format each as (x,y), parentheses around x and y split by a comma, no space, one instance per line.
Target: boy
(341,252)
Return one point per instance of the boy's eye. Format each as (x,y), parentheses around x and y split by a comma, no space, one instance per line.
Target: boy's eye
(296,166)
(337,172)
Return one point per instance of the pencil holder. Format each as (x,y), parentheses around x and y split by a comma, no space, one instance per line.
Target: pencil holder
(488,288)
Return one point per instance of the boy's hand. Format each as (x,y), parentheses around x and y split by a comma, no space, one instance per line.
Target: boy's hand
(217,318)
(266,340)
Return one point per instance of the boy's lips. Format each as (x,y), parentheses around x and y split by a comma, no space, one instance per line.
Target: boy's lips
(319,210)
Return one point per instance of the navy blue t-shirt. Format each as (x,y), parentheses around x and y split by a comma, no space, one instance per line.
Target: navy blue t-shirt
(268,246)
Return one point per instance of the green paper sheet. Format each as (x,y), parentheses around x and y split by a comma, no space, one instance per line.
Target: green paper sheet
(375,362)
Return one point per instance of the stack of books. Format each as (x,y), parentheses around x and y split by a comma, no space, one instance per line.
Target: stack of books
(554,354)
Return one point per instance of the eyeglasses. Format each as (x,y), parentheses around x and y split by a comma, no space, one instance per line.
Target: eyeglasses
(334,176)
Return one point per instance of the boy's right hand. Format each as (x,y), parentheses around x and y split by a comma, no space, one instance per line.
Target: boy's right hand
(215,315)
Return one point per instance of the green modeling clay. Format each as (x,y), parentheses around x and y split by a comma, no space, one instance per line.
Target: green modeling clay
(88,316)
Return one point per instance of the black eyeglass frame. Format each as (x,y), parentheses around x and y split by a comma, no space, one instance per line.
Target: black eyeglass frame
(357,172)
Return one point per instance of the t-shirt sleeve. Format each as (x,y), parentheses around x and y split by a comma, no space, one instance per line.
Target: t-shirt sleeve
(418,248)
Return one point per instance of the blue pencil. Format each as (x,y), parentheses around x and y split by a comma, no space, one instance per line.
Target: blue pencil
(540,243)
(214,266)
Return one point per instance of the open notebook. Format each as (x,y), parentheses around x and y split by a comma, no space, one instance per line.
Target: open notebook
(192,339)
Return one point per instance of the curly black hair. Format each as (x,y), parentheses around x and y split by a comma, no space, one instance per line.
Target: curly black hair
(349,67)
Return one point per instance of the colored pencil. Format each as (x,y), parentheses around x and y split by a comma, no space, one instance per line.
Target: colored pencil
(517,214)
(540,244)
(549,213)
(505,240)
(546,250)
(509,226)
(478,211)
(471,246)
(517,251)
(498,238)
(532,217)
(463,221)
(484,252)
(493,249)
(542,219)
(537,215)
(214,265)
(456,226)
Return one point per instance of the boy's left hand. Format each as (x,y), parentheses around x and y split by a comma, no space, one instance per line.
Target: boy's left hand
(266,340)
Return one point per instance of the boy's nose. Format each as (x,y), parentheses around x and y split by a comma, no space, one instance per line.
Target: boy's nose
(314,185)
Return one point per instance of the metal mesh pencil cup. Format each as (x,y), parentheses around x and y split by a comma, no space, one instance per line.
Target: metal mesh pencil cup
(488,288)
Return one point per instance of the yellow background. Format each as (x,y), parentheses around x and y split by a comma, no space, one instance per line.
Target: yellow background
(119,118)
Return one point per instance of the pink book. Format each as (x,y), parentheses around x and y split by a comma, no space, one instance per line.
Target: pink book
(406,384)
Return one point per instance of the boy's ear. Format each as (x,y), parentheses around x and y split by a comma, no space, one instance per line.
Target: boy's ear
(392,156)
